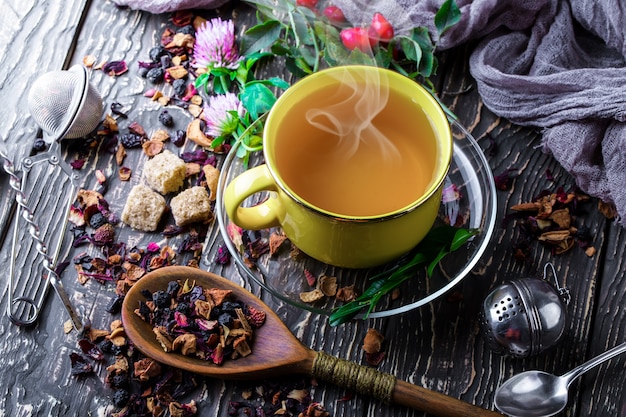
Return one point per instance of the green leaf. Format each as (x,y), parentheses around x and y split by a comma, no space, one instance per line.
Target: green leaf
(202,80)
(257,98)
(411,48)
(438,243)
(275,82)
(260,37)
(302,29)
(447,16)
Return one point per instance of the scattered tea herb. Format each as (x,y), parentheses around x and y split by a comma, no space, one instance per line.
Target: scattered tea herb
(550,219)
(439,242)
(208,323)
(289,397)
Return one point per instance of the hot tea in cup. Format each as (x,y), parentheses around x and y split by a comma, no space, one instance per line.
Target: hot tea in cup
(355,157)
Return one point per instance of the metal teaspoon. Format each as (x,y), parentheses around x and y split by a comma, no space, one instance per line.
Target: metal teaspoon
(540,394)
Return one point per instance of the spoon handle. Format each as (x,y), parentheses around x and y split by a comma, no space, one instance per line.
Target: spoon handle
(592,363)
(369,382)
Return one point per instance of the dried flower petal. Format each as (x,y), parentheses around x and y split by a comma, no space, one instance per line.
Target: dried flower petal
(195,133)
(125,173)
(372,343)
(146,368)
(328,285)
(312,296)
(185,344)
(211,175)
(115,68)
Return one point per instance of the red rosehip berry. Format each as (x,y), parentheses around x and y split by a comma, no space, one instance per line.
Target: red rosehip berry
(334,15)
(311,4)
(380,29)
(353,38)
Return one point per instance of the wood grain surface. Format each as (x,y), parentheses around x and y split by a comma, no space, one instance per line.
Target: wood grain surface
(437,346)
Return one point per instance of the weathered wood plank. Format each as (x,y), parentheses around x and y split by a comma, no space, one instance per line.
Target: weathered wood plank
(437,346)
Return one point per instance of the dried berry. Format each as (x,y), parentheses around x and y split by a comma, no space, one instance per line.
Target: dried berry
(180,87)
(97,219)
(39,145)
(120,397)
(115,306)
(103,235)
(162,299)
(120,381)
(156,53)
(80,365)
(173,287)
(155,75)
(187,30)
(178,138)
(130,140)
(166,119)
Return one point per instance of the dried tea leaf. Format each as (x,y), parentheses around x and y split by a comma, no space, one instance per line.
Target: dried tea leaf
(276,240)
(185,344)
(328,285)
(177,72)
(554,236)
(146,368)
(195,133)
(163,338)
(373,341)
(346,294)
(89,61)
(608,210)
(212,176)
(152,147)
(195,110)
(311,296)
(120,154)
(160,135)
(562,218)
(192,168)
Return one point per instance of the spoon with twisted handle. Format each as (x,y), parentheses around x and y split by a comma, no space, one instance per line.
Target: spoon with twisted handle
(540,394)
(276,352)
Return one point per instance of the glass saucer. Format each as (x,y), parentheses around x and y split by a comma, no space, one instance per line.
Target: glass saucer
(284,276)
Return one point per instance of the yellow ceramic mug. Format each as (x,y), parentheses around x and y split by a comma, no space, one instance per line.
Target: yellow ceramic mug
(355,158)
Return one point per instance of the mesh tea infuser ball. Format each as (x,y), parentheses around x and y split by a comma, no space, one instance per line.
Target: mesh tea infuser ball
(524,317)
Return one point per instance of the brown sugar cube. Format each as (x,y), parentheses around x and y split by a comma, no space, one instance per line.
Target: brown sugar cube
(165,172)
(191,206)
(144,208)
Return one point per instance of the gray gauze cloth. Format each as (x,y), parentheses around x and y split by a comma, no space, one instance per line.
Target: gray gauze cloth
(559,65)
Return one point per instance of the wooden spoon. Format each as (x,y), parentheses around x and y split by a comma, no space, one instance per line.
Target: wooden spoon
(276,352)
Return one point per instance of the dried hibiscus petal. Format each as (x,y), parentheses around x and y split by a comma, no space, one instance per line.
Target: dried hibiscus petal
(90,349)
(80,365)
(115,67)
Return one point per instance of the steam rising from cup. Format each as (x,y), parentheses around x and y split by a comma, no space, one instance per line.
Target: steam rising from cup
(362,101)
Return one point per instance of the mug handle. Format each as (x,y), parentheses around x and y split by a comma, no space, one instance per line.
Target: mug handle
(260,216)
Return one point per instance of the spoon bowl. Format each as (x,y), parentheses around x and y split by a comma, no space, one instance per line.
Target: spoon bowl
(546,392)
(540,394)
(276,351)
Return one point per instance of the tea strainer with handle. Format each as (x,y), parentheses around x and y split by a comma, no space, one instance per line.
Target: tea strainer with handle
(66,106)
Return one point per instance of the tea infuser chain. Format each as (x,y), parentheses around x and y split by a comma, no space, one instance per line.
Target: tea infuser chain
(48,262)
(563,292)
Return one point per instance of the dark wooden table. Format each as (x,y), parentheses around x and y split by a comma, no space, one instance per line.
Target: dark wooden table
(437,346)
